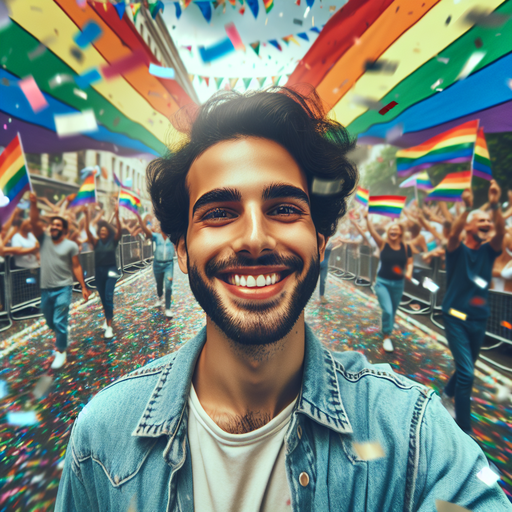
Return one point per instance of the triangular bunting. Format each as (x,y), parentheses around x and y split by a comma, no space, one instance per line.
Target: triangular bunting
(247,81)
(207,80)
(315,29)
(206,10)
(185,3)
(310,3)
(191,78)
(120,8)
(268,5)
(155,8)
(233,82)
(254,6)
(304,36)
(256,48)
(178,9)
(200,79)
(135,10)
(262,80)
(291,38)
(274,43)
(218,81)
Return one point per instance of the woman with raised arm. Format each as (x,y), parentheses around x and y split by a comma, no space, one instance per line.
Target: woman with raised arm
(106,273)
(395,264)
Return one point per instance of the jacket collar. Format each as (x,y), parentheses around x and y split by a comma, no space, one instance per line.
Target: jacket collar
(319,398)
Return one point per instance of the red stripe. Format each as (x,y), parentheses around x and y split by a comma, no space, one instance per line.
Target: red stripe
(9,150)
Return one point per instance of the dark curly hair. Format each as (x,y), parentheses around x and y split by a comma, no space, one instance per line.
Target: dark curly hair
(296,121)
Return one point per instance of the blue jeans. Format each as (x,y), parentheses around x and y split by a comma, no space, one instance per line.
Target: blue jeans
(55,306)
(105,285)
(465,338)
(389,293)
(163,272)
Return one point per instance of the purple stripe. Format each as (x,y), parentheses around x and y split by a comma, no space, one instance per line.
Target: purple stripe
(483,175)
(6,211)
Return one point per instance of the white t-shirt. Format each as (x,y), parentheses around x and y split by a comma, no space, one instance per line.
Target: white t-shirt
(238,472)
(25,260)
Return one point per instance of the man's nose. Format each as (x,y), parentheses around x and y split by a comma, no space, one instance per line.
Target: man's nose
(255,233)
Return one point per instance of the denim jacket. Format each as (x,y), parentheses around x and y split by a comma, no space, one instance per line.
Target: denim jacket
(129,445)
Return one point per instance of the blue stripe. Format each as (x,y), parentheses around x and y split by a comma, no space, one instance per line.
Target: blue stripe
(442,157)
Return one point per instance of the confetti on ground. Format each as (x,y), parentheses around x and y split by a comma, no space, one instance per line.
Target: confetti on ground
(32,457)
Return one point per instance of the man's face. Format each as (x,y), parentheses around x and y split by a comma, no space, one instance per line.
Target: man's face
(480,226)
(56,229)
(252,251)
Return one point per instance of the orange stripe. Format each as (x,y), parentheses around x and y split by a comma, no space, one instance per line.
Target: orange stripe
(10,159)
(392,23)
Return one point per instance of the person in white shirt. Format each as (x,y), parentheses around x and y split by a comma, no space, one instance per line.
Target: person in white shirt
(24,239)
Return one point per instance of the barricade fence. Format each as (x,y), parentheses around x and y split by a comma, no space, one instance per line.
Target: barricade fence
(20,292)
(359,264)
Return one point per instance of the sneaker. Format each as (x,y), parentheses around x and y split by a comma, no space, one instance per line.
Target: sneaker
(387,345)
(323,300)
(448,404)
(109,333)
(60,359)
(168,313)
(159,303)
(105,325)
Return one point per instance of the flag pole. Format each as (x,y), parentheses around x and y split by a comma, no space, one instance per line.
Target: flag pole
(25,160)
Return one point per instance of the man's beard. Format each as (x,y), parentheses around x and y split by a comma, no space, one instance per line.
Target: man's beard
(257,322)
(56,236)
(477,238)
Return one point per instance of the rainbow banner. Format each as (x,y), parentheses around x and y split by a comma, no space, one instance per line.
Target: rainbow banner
(129,201)
(86,194)
(14,177)
(362,196)
(453,146)
(268,5)
(451,188)
(481,158)
(420,181)
(390,206)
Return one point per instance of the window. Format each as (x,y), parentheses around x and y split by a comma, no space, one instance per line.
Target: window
(142,30)
(121,171)
(98,159)
(113,164)
(80,163)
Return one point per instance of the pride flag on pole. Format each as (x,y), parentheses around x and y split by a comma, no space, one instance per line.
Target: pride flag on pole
(14,177)
(129,200)
(451,188)
(390,206)
(87,192)
(481,158)
(420,181)
(453,146)
(362,196)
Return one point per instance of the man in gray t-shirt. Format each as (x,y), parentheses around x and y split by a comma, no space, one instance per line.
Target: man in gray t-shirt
(59,263)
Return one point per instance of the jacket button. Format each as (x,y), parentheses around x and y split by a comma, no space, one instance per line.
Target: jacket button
(116,479)
(304,479)
(299,431)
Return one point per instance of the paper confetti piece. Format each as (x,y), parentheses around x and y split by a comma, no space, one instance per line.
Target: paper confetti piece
(326,187)
(42,386)
(506,324)
(41,48)
(217,50)
(430,285)
(73,124)
(80,94)
(446,506)
(234,36)
(3,389)
(60,79)
(388,107)
(369,451)
(33,94)
(398,270)
(89,77)
(161,72)
(488,476)
(482,283)
(91,31)
(4,200)
(22,418)
(297,22)
(369,103)
(484,18)
(458,314)
(381,66)
(478,302)
(77,54)
(125,64)
(4,16)
(470,65)
(395,132)
(415,282)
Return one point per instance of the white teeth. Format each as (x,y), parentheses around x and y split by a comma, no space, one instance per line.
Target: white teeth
(273,280)
(268,281)
(251,282)
(260,281)
(243,282)
(237,280)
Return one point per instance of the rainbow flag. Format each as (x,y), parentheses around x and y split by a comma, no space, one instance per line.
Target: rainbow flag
(14,177)
(453,146)
(362,196)
(420,180)
(481,158)
(129,200)
(268,5)
(390,206)
(87,192)
(451,188)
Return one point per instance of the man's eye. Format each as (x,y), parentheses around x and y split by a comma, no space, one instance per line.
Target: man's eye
(286,210)
(217,213)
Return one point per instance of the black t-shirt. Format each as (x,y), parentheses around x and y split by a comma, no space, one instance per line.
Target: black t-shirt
(393,263)
(105,252)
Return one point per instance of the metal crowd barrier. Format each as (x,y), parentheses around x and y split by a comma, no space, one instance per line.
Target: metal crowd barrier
(20,292)
(342,264)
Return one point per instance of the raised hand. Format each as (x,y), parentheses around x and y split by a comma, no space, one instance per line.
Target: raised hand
(467,197)
(494,192)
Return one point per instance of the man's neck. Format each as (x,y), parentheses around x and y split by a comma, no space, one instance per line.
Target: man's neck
(472,243)
(234,382)
(58,240)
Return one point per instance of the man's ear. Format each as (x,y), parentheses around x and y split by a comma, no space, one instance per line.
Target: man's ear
(322,242)
(181,251)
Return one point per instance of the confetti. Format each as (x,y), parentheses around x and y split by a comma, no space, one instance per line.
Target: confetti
(77,54)
(91,32)
(3,389)
(234,36)
(458,314)
(89,77)
(488,476)
(298,22)
(387,108)
(485,18)
(217,50)
(326,187)
(436,84)
(80,94)
(478,302)
(37,52)
(33,94)
(446,506)
(125,64)
(381,66)
(394,133)
(60,79)
(430,285)
(470,65)
(369,103)
(4,200)
(506,324)
(42,387)
(161,72)
(22,418)
(5,20)
(482,283)
(30,280)
(414,281)
(369,451)
(73,124)
(397,270)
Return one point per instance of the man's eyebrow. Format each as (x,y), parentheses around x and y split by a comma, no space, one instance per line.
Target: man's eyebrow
(280,190)
(217,195)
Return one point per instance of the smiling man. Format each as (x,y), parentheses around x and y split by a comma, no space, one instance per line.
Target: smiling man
(254,414)
(465,309)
